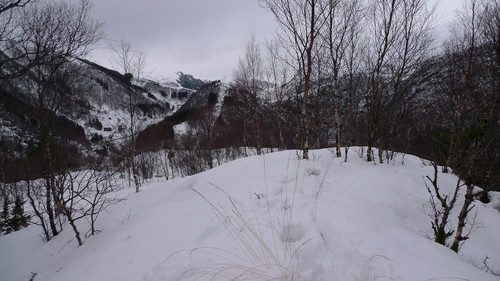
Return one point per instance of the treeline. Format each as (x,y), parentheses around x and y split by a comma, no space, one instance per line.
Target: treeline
(363,72)
(344,73)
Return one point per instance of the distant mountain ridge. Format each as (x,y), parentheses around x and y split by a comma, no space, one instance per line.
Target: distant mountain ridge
(99,106)
(91,108)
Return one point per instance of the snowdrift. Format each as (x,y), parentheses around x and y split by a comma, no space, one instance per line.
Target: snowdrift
(270,217)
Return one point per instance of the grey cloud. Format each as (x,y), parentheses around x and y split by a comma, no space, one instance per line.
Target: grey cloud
(200,37)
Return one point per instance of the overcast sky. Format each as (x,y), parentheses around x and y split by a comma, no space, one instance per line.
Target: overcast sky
(200,37)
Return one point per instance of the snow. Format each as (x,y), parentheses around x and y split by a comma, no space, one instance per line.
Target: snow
(108,105)
(265,217)
(223,91)
(181,128)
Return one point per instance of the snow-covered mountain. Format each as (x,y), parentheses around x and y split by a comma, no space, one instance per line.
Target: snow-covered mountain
(97,104)
(269,217)
(207,99)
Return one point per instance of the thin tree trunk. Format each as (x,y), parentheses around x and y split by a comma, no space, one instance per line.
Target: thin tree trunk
(50,212)
(305,127)
(37,212)
(338,122)
(316,116)
(318,133)
(73,226)
(135,175)
(132,149)
(371,134)
(258,139)
(93,216)
(461,218)
(49,182)
(303,107)
(380,155)
(245,127)
(281,135)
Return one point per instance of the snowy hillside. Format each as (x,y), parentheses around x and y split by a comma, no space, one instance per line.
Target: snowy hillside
(98,101)
(270,217)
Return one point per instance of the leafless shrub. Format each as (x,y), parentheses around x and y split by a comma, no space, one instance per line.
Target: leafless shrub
(441,207)
(77,195)
(488,268)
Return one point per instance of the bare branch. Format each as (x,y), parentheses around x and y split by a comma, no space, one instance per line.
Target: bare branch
(11,4)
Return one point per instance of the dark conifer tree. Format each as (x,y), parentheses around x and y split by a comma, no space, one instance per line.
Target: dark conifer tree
(4,216)
(19,219)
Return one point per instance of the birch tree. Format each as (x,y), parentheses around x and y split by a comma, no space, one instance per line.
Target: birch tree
(53,35)
(475,126)
(301,22)
(399,34)
(343,19)
(132,64)
(276,73)
(249,77)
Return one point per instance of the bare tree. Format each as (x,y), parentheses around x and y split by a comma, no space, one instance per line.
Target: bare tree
(84,194)
(249,77)
(47,34)
(205,131)
(343,19)
(133,64)
(7,18)
(129,60)
(319,98)
(54,35)
(476,45)
(441,209)
(354,88)
(276,73)
(468,100)
(9,14)
(300,22)
(399,35)
(197,151)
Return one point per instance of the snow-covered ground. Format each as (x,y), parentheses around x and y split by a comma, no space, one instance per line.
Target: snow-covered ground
(270,217)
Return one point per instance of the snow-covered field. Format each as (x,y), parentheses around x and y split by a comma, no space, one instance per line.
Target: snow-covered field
(270,217)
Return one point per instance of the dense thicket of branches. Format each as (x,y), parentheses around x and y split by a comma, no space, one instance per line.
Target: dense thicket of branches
(40,44)
(371,61)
